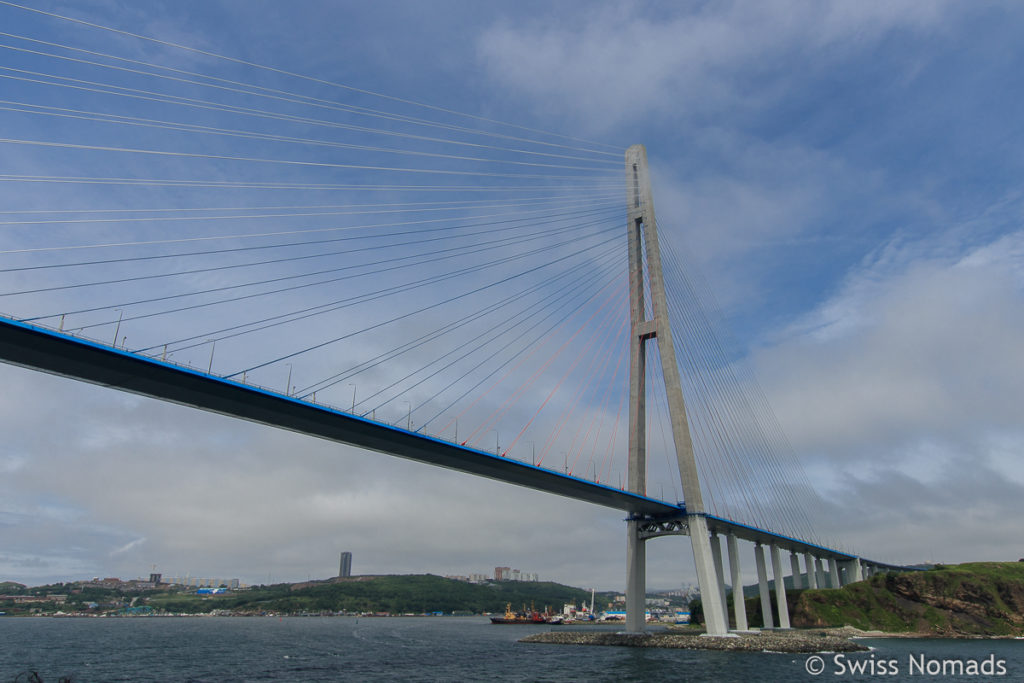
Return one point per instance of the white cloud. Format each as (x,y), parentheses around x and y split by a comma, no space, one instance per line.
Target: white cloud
(128,546)
(902,393)
(920,345)
(599,72)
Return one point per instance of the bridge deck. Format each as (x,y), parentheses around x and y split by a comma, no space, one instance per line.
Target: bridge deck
(38,348)
(60,354)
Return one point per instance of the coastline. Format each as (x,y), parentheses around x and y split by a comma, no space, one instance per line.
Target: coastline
(791,641)
(795,641)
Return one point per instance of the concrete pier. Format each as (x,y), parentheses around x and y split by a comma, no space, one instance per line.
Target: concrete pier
(812,573)
(636,579)
(739,605)
(716,557)
(794,562)
(780,588)
(762,584)
(715,621)
(833,574)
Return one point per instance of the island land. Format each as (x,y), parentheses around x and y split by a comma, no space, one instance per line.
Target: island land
(984,599)
(385,595)
(974,600)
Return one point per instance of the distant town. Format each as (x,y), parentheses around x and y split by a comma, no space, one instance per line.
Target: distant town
(500,574)
(344,594)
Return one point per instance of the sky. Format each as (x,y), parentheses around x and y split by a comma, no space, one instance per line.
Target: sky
(845,177)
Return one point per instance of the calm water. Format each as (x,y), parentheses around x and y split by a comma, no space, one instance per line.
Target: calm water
(411,649)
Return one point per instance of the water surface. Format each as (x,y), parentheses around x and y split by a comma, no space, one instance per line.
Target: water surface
(220,649)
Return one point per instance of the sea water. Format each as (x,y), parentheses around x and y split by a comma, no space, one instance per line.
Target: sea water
(219,649)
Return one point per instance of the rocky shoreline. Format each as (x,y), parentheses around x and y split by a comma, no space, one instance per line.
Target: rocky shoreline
(794,641)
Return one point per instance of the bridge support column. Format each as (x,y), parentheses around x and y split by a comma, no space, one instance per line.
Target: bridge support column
(715,621)
(716,557)
(819,569)
(762,585)
(636,578)
(794,562)
(858,571)
(739,605)
(812,574)
(844,572)
(833,573)
(780,588)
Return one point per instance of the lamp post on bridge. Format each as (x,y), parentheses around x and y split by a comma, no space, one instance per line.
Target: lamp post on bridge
(117,330)
(209,369)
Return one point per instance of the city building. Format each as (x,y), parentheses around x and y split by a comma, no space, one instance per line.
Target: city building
(345,567)
(509,574)
(196,582)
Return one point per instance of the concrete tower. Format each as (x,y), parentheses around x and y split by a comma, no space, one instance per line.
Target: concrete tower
(345,569)
(651,327)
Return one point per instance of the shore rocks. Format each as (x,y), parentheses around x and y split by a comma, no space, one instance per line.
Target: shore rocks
(755,641)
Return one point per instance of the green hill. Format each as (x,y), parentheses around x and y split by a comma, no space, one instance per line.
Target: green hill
(418,594)
(983,598)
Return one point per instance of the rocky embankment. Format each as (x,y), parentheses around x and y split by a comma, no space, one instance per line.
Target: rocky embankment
(981,599)
(797,641)
(968,600)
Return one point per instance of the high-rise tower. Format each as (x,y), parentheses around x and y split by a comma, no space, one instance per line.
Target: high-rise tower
(345,569)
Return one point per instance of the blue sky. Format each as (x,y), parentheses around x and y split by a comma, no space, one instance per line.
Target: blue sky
(845,176)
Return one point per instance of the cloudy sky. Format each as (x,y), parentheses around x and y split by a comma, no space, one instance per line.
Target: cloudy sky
(845,176)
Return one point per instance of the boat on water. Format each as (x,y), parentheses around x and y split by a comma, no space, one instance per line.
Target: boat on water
(522,617)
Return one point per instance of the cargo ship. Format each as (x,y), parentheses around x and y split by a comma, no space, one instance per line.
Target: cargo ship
(522,617)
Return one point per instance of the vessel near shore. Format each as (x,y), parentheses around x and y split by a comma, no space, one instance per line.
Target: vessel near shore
(522,617)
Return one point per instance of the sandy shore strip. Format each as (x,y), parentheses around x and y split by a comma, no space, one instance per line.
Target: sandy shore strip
(795,641)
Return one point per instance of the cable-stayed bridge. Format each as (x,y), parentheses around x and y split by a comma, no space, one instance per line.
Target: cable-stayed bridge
(402,277)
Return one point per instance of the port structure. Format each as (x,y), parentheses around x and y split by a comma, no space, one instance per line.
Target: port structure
(650,329)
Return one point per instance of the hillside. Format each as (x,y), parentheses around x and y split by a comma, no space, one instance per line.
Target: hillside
(983,598)
(402,594)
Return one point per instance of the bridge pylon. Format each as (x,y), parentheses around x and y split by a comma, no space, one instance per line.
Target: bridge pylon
(645,327)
